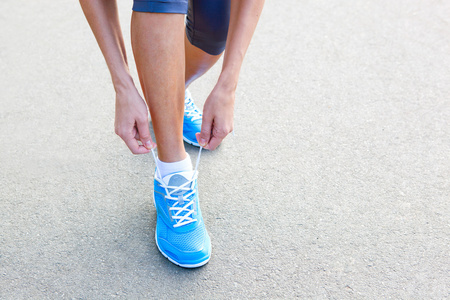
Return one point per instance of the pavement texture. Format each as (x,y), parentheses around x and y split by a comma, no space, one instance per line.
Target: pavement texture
(336,185)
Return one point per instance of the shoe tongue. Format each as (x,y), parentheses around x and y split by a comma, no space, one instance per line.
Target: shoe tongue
(177,179)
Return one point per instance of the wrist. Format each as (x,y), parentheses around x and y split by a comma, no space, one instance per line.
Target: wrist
(123,82)
(228,81)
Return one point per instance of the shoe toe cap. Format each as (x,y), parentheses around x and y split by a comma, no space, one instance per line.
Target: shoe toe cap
(186,249)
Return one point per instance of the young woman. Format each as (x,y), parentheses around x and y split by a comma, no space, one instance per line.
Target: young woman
(171,51)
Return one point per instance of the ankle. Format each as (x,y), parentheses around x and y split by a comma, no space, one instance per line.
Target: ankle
(171,152)
(166,168)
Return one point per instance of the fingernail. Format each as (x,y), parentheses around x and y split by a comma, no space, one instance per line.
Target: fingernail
(203,142)
(149,145)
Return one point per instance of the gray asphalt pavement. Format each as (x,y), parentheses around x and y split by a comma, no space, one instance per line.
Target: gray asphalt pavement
(336,185)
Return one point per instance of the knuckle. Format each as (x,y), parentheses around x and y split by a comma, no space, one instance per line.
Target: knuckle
(132,149)
(118,131)
(141,119)
(122,133)
(204,132)
(220,132)
(144,136)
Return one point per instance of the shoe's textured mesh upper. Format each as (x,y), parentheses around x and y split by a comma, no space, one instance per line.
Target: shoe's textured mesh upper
(162,230)
(188,242)
(159,199)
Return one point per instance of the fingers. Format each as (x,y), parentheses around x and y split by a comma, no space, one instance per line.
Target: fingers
(216,137)
(140,132)
(135,148)
(143,133)
(205,133)
(130,140)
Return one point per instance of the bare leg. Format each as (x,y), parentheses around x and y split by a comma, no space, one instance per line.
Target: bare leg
(198,62)
(158,47)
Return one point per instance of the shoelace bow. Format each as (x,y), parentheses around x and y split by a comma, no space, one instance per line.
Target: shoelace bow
(178,200)
(191,110)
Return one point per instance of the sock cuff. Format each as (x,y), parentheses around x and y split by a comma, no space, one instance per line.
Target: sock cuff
(174,167)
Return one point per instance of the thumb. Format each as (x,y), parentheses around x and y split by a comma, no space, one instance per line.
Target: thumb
(144,134)
(205,134)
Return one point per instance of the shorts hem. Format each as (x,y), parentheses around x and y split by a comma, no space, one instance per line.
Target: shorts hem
(204,43)
(177,7)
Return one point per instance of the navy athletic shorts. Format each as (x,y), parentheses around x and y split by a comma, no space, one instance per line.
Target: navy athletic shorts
(206,21)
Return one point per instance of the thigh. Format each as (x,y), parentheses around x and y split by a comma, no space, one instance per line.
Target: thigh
(207,24)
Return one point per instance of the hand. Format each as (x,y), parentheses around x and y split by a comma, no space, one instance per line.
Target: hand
(217,120)
(131,122)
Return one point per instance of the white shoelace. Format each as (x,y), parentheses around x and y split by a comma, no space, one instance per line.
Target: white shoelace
(179,201)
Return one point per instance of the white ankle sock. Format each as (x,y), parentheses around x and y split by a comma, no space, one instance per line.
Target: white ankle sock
(173,167)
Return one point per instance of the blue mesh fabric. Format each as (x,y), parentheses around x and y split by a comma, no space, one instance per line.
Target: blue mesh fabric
(188,242)
(162,229)
(159,199)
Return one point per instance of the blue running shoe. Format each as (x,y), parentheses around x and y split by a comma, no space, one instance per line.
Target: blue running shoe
(180,234)
(192,122)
